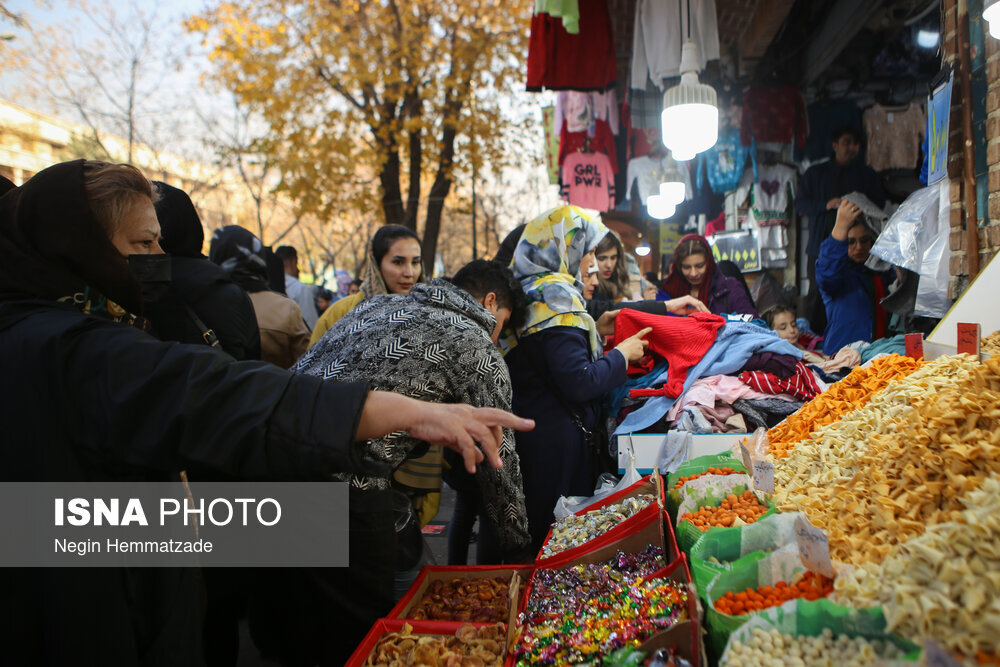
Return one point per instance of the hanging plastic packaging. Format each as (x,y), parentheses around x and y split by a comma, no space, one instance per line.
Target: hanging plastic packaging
(916,238)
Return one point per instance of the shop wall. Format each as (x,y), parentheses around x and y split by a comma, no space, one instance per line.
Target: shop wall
(988,220)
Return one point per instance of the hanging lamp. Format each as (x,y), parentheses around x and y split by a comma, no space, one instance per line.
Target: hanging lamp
(659,207)
(673,188)
(690,115)
(991,12)
(642,249)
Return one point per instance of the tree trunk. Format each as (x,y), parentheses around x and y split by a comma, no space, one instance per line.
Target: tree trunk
(439,190)
(392,195)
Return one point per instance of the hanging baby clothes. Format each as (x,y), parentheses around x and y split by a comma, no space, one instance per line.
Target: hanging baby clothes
(894,136)
(580,109)
(598,139)
(588,181)
(658,37)
(567,10)
(585,61)
(647,172)
(774,114)
(770,210)
(724,162)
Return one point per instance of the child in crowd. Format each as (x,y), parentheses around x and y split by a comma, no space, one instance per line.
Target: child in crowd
(781,318)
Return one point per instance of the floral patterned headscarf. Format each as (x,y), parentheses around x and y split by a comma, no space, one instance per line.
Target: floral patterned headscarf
(547,262)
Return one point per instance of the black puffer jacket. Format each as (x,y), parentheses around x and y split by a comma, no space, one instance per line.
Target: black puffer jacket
(85,399)
(220,304)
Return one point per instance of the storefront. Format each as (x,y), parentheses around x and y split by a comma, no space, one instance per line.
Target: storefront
(842,512)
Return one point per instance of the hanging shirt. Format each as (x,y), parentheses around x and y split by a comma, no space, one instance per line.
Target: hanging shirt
(774,114)
(658,38)
(598,139)
(773,192)
(894,136)
(579,110)
(588,181)
(559,60)
(647,173)
(771,212)
(724,162)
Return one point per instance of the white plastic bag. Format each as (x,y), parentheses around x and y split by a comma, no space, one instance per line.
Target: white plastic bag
(567,505)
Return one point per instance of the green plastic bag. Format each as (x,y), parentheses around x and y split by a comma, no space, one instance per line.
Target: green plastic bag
(730,546)
(810,618)
(696,467)
(781,565)
(710,491)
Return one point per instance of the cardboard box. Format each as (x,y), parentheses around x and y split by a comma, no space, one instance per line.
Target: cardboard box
(650,484)
(384,626)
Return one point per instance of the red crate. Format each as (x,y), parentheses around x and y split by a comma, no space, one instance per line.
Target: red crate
(651,484)
(434,572)
(384,626)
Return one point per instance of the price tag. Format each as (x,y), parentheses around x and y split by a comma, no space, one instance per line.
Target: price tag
(814,547)
(915,345)
(968,338)
(763,476)
(936,656)
(745,457)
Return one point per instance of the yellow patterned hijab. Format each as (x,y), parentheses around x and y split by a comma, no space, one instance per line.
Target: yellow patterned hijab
(547,262)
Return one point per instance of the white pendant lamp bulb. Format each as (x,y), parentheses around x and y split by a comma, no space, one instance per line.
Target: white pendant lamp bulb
(659,207)
(673,191)
(642,249)
(690,110)
(991,12)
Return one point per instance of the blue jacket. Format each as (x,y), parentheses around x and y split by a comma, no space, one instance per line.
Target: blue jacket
(819,185)
(849,296)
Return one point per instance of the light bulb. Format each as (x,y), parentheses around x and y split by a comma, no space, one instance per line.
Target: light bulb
(673,191)
(658,207)
(642,249)
(690,115)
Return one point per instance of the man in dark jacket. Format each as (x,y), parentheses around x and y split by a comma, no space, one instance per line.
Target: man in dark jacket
(819,196)
(202,301)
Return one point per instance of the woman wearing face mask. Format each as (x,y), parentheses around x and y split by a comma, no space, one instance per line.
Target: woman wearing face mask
(693,272)
(851,292)
(557,364)
(392,266)
(90,398)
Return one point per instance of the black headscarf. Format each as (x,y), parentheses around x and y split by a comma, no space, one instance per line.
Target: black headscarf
(180,227)
(52,247)
(242,256)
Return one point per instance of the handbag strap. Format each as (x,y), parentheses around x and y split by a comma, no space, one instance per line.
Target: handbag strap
(207,333)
